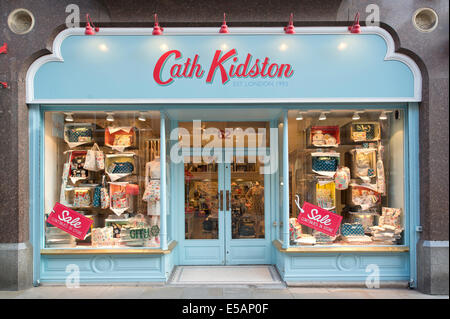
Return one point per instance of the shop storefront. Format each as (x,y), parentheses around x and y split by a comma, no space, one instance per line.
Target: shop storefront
(200,148)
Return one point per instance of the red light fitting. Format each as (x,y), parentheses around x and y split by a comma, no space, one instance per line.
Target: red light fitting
(4,48)
(89,30)
(224,27)
(157,30)
(4,85)
(355,28)
(289,29)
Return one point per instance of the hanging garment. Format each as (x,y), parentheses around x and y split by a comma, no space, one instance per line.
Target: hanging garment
(381,182)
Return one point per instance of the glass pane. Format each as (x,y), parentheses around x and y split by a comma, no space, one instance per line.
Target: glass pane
(247,200)
(115,184)
(350,162)
(201,201)
(224,134)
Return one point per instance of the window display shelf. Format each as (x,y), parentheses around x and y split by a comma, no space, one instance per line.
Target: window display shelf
(109,251)
(341,248)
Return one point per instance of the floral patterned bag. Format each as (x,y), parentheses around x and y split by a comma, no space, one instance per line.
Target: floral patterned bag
(342,178)
(104,196)
(152,191)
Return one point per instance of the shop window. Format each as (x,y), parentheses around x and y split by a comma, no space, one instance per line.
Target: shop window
(351,163)
(106,167)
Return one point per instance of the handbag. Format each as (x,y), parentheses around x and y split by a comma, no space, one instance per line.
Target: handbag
(122,168)
(102,237)
(367,130)
(152,191)
(342,178)
(97,196)
(325,163)
(95,159)
(355,229)
(82,198)
(246,230)
(104,195)
(80,134)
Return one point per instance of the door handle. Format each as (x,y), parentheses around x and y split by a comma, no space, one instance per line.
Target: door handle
(228,200)
(221,200)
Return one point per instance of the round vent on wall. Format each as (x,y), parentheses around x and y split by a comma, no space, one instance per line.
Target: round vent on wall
(21,21)
(425,19)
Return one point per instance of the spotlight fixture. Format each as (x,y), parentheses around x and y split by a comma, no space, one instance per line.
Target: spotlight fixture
(157,30)
(69,117)
(383,116)
(290,29)
(142,117)
(224,27)
(89,30)
(322,116)
(299,116)
(356,116)
(355,28)
(110,117)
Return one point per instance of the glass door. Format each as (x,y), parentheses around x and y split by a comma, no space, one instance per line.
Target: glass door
(246,220)
(204,240)
(225,219)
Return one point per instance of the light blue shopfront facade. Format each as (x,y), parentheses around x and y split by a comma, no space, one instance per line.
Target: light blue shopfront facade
(331,69)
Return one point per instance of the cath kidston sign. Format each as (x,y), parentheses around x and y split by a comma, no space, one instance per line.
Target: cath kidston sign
(69,221)
(167,71)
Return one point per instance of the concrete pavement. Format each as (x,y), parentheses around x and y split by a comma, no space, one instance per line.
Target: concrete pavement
(207,292)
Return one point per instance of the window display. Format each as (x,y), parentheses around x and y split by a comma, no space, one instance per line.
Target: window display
(105,167)
(350,167)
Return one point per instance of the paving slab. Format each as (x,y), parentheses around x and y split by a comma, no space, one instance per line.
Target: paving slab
(202,292)
(196,293)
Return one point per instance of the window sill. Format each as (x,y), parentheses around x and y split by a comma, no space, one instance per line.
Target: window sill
(109,251)
(340,249)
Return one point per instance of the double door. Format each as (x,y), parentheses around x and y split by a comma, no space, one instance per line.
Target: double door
(225,216)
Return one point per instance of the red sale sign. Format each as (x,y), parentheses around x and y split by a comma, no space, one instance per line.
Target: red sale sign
(70,221)
(319,219)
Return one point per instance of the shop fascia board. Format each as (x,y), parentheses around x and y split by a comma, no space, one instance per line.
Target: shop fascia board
(391,55)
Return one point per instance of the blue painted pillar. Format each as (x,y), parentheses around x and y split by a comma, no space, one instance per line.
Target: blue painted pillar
(163,160)
(285,198)
(414,186)
(36,187)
